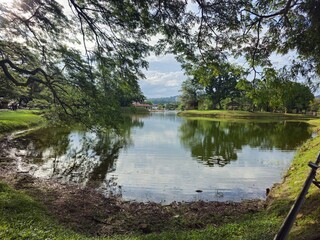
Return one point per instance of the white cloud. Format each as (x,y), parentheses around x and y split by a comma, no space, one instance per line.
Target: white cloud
(167,79)
(162,84)
(163,78)
(161,58)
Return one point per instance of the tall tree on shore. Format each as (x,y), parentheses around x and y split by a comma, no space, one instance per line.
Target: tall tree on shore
(218,79)
(191,93)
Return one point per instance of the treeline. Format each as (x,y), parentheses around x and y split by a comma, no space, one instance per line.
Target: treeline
(225,86)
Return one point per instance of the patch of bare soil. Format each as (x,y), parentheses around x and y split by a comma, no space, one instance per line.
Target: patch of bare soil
(87,211)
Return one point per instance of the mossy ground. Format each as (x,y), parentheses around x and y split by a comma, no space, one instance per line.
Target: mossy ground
(23,218)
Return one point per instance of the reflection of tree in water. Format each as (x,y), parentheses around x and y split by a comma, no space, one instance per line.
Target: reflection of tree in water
(80,156)
(108,149)
(215,143)
(209,143)
(52,141)
(280,135)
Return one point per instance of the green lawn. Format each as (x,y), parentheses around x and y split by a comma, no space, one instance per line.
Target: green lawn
(18,120)
(241,114)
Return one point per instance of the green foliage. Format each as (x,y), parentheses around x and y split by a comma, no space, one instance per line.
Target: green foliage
(40,56)
(171,106)
(164,100)
(161,106)
(276,93)
(210,83)
(191,93)
(46,65)
(315,104)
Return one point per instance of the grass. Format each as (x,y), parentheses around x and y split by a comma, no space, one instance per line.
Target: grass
(18,120)
(305,226)
(250,227)
(241,114)
(23,218)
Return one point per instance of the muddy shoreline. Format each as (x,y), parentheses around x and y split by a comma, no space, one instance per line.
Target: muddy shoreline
(87,211)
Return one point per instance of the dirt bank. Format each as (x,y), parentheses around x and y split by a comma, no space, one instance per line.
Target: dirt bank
(87,211)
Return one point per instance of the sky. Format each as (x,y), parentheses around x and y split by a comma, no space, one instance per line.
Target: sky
(163,77)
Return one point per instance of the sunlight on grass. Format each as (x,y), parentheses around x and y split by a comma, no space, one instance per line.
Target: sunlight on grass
(17,120)
(241,114)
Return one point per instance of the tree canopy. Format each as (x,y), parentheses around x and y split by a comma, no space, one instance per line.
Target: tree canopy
(85,60)
(276,92)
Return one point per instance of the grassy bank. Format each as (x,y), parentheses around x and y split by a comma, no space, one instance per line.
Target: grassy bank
(18,120)
(23,218)
(284,194)
(242,115)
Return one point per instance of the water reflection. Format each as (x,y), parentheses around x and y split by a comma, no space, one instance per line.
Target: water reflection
(152,158)
(216,143)
(83,157)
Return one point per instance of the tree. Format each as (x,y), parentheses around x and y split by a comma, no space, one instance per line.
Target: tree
(191,93)
(40,45)
(219,80)
(276,92)
(85,59)
(253,30)
(297,97)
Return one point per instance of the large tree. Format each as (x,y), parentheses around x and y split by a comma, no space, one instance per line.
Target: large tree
(218,79)
(254,30)
(276,92)
(86,56)
(88,60)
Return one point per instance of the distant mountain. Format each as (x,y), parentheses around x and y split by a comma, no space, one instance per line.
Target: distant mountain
(164,100)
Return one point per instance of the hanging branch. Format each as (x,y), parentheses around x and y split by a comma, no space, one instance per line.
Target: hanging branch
(31,79)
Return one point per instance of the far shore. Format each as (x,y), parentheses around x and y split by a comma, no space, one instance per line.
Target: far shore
(235,114)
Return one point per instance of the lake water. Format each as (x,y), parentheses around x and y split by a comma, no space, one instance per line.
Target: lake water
(163,158)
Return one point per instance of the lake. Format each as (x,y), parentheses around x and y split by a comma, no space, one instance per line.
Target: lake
(162,157)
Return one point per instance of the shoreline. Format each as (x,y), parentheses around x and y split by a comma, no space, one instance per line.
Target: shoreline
(234,114)
(87,211)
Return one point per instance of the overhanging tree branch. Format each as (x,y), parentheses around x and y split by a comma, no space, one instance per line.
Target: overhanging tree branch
(31,78)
